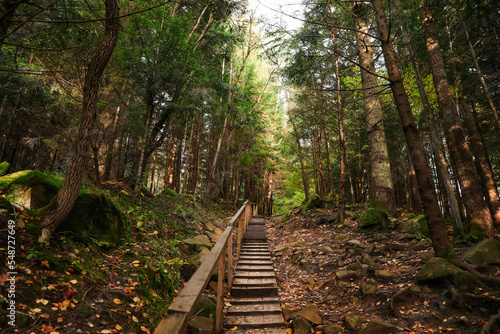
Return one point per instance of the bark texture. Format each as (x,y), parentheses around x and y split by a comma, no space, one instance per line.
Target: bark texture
(475,205)
(432,211)
(62,204)
(381,186)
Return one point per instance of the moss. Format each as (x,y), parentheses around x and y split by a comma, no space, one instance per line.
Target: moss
(4,166)
(476,232)
(373,217)
(314,202)
(169,193)
(423,226)
(449,252)
(375,203)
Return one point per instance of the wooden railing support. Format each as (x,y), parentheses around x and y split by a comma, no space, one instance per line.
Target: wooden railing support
(176,320)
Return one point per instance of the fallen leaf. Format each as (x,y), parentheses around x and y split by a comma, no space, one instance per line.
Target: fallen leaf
(46,263)
(117,301)
(135,318)
(118,327)
(73,281)
(234,328)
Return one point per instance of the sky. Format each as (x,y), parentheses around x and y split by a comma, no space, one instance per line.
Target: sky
(275,11)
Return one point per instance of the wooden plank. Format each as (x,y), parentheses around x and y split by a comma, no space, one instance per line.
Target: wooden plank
(230,265)
(173,323)
(220,292)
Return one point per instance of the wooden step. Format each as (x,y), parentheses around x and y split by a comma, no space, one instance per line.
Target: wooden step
(258,331)
(257,300)
(253,267)
(256,262)
(255,282)
(245,309)
(255,321)
(252,292)
(244,257)
(253,274)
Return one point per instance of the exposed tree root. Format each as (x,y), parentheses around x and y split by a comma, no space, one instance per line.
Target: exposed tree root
(482,277)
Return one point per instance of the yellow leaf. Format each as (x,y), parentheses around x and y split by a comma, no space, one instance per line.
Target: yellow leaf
(105,331)
(46,263)
(289,330)
(35,310)
(117,301)
(60,319)
(234,328)
(118,327)
(73,281)
(90,324)
(135,318)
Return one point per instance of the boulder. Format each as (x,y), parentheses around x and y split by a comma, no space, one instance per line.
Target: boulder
(280,249)
(341,238)
(353,322)
(486,251)
(378,327)
(344,275)
(384,274)
(335,329)
(201,325)
(206,308)
(310,313)
(301,326)
(326,249)
(213,236)
(198,258)
(422,244)
(368,289)
(373,217)
(193,245)
(441,271)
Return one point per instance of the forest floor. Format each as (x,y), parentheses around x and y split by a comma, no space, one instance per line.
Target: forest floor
(311,254)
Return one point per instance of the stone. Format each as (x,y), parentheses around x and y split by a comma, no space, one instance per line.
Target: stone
(384,274)
(201,325)
(353,322)
(440,270)
(310,313)
(287,312)
(355,242)
(206,308)
(198,258)
(193,245)
(213,236)
(280,249)
(355,266)
(346,274)
(394,246)
(307,280)
(209,227)
(326,249)
(378,327)
(218,231)
(486,251)
(341,238)
(373,217)
(301,326)
(368,289)
(367,259)
(422,244)
(335,329)
(213,286)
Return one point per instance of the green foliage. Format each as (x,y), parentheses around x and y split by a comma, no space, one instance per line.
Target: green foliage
(4,166)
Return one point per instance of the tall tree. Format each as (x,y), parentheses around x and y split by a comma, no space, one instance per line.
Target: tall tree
(62,204)
(381,186)
(439,235)
(476,207)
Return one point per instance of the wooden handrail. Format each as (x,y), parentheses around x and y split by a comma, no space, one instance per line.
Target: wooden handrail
(176,320)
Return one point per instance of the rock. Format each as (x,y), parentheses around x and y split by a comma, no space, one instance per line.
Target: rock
(310,313)
(308,280)
(218,231)
(373,217)
(209,227)
(384,274)
(201,325)
(335,329)
(377,328)
(353,322)
(277,254)
(213,237)
(314,202)
(341,238)
(368,289)
(193,245)
(355,242)
(440,270)
(213,286)
(287,312)
(367,259)
(486,251)
(422,244)
(426,257)
(346,274)
(198,258)
(326,249)
(394,246)
(356,267)
(206,308)
(301,326)
(280,249)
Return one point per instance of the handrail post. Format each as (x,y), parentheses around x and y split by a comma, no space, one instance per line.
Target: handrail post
(220,291)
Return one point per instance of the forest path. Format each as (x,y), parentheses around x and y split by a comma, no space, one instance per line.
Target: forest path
(255,306)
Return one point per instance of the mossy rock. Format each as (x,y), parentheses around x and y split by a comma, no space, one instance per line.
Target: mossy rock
(4,166)
(169,193)
(484,252)
(476,232)
(206,308)
(439,270)
(417,225)
(93,215)
(373,217)
(314,202)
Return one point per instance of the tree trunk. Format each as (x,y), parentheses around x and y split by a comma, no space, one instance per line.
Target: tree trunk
(416,201)
(485,171)
(95,156)
(481,78)
(9,125)
(476,206)
(7,9)
(62,204)
(381,186)
(439,235)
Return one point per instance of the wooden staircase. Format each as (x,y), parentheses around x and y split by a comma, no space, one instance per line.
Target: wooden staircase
(255,307)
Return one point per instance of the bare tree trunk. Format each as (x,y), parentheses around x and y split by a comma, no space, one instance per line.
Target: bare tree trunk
(305,179)
(485,171)
(95,156)
(416,201)
(381,186)
(7,9)
(476,206)
(9,125)
(481,78)
(439,235)
(62,204)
